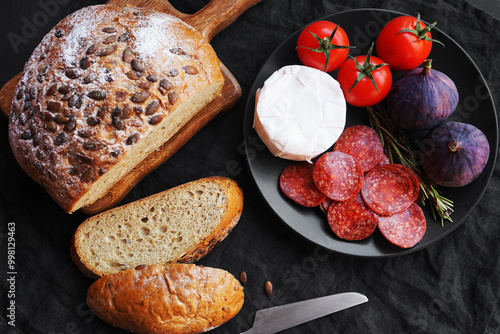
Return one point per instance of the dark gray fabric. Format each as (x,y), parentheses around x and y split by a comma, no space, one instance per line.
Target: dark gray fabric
(450,287)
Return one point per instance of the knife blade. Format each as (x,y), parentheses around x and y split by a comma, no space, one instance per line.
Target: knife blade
(278,318)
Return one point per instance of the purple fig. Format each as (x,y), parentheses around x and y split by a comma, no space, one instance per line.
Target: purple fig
(422,98)
(454,154)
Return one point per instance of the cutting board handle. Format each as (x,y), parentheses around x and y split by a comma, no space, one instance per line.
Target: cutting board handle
(209,21)
(217,15)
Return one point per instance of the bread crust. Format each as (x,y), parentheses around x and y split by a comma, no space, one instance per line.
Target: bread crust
(105,87)
(232,215)
(175,298)
(234,210)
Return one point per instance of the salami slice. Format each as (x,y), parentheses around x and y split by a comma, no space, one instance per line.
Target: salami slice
(326,204)
(404,229)
(387,190)
(337,175)
(384,161)
(414,179)
(296,183)
(363,144)
(352,219)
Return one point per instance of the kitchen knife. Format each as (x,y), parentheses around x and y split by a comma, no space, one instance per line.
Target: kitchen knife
(278,318)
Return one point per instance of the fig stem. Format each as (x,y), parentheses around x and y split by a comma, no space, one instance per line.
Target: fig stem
(453,146)
(427,67)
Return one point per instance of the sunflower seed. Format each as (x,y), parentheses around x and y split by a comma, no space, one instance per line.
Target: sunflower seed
(52,90)
(133,138)
(120,95)
(93,48)
(155,119)
(89,78)
(87,175)
(108,50)
(133,75)
(53,106)
(191,70)
(152,78)
(109,30)
(268,287)
(98,95)
(177,51)
(137,65)
(140,97)
(60,139)
(72,73)
(123,37)
(127,55)
(152,107)
(243,277)
(172,97)
(84,63)
(110,39)
(64,89)
(173,72)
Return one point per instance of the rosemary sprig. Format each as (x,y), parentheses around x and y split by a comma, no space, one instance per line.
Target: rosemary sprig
(399,151)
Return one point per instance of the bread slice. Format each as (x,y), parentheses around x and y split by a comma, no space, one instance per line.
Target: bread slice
(175,298)
(181,224)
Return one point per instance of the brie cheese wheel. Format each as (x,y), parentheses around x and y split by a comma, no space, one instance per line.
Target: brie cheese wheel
(300,112)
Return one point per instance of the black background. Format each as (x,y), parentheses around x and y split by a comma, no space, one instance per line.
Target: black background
(453,286)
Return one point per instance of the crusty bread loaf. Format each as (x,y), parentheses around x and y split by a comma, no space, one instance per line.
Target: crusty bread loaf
(181,224)
(176,298)
(107,86)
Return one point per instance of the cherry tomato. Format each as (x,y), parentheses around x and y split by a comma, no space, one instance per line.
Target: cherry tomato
(365,92)
(323,45)
(405,42)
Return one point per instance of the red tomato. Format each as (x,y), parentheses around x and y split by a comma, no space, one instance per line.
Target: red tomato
(405,42)
(314,50)
(364,93)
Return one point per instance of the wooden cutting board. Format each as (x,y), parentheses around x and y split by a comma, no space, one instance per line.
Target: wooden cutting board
(210,20)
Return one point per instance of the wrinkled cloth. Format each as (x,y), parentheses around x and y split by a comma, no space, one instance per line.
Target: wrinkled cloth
(452,286)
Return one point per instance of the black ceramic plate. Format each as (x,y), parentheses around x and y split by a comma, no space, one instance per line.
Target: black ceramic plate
(475,107)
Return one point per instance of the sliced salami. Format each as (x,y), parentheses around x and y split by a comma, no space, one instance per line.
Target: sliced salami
(352,219)
(363,144)
(337,175)
(326,204)
(404,229)
(414,179)
(296,183)
(387,190)
(384,161)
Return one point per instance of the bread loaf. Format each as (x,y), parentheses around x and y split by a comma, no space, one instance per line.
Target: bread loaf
(182,224)
(106,87)
(176,298)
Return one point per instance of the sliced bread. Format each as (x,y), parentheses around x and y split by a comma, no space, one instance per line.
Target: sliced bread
(181,224)
(175,298)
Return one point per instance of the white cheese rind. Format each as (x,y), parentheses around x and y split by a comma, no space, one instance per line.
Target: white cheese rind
(300,112)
